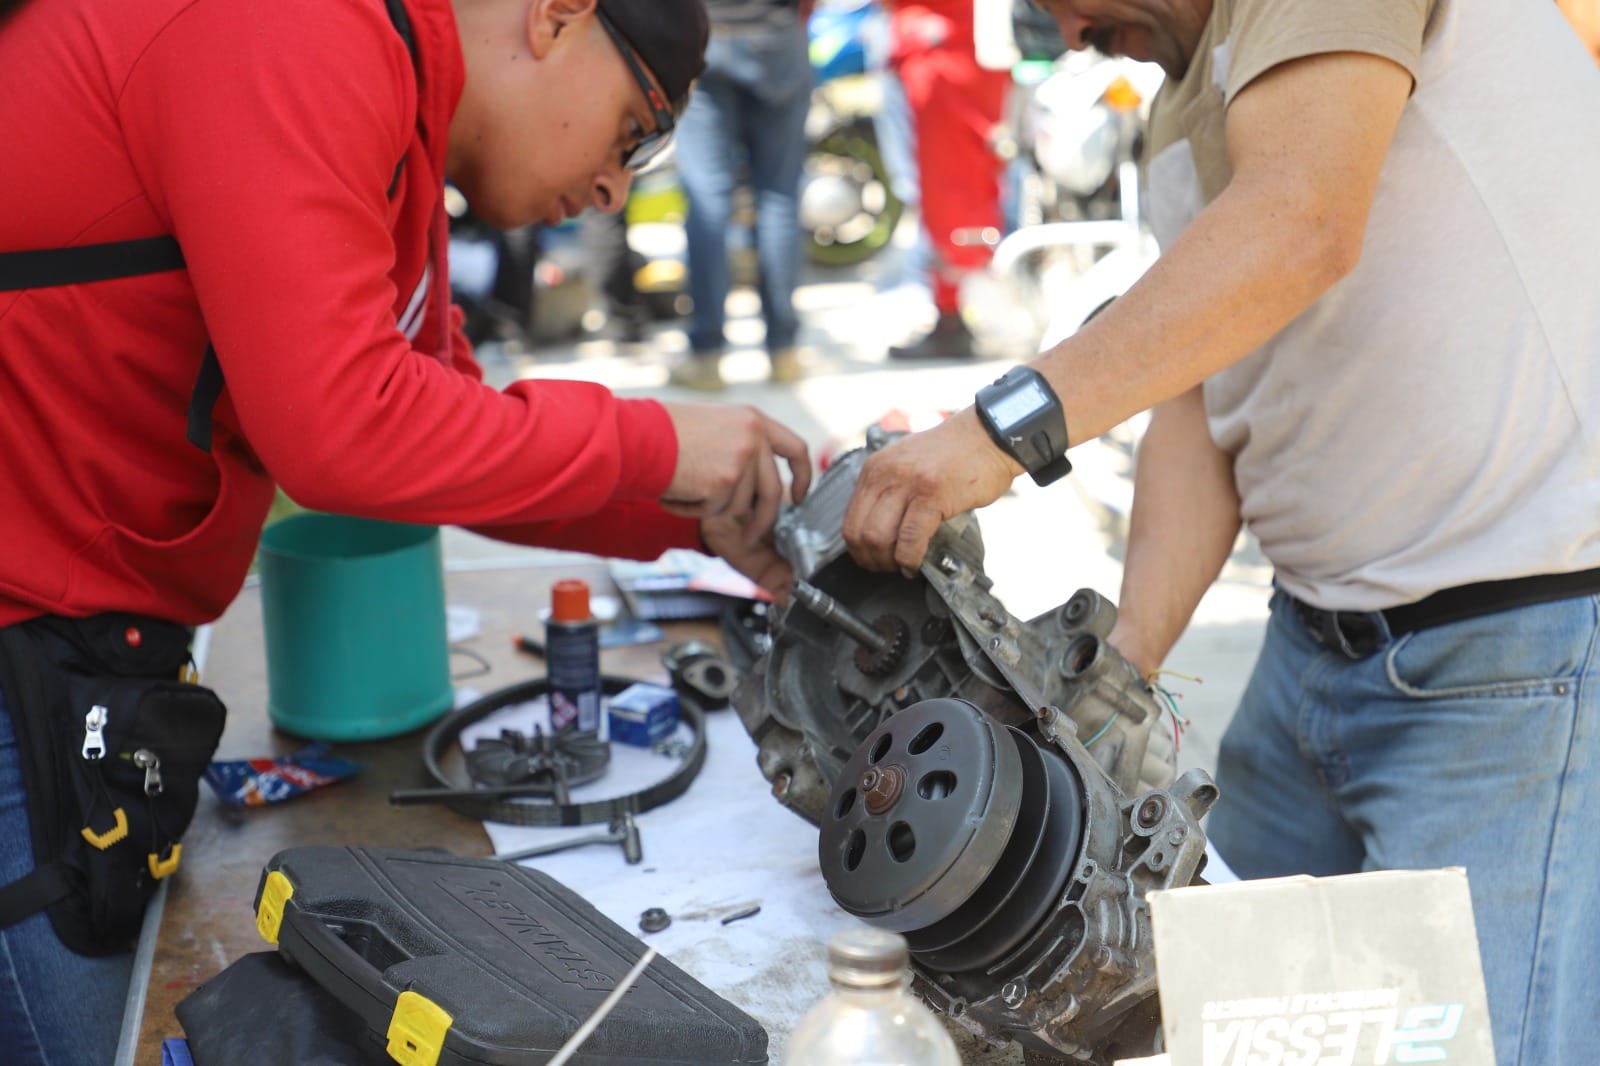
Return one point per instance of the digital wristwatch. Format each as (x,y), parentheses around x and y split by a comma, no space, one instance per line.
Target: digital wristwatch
(1024,418)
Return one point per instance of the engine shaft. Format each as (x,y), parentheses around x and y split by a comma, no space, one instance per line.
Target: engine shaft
(840,617)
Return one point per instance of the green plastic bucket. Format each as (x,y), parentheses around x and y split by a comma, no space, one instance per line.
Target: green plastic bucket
(354,617)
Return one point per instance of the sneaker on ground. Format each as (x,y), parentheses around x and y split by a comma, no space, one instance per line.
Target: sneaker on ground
(949,339)
(787,366)
(700,373)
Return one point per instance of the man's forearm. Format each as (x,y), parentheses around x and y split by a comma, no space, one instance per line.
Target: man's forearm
(1306,142)
(1185,518)
(1243,270)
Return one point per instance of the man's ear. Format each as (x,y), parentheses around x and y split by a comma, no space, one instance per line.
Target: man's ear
(547,19)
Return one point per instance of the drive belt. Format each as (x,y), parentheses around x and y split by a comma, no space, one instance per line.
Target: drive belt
(498,804)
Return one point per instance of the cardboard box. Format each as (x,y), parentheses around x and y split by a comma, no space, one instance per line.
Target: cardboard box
(1372,968)
(642,714)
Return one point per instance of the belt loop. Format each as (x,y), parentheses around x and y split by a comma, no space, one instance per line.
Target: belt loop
(1356,634)
(1353,634)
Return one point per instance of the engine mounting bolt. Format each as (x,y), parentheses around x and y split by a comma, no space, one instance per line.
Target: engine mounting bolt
(881,786)
(1177,835)
(1102,956)
(1014,993)
(1151,811)
(948,564)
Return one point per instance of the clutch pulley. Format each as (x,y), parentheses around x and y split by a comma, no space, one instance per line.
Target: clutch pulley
(955,830)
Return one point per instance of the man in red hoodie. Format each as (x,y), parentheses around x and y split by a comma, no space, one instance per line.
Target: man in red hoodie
(272,170)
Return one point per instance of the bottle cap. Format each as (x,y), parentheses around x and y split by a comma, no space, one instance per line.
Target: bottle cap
(867,958)
(569,601)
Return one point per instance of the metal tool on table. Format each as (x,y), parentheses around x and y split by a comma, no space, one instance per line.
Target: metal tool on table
(624,831)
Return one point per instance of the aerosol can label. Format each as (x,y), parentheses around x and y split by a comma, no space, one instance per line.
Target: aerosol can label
(573,652)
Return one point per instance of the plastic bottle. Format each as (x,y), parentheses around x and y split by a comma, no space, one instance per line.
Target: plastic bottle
(870,1018)
(572,651)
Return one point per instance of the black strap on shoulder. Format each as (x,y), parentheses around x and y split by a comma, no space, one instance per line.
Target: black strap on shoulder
(50,267)
(402,25)
(80,265)
(203,400)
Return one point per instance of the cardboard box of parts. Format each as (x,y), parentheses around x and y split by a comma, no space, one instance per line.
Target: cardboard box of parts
(642,714)
(1371,968)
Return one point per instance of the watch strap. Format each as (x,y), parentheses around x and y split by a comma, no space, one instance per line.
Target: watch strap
(1043,455)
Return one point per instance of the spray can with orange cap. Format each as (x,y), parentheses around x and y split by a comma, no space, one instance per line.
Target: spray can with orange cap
(572,650)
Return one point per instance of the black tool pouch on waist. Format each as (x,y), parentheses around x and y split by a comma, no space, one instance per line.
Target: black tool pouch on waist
(113,746)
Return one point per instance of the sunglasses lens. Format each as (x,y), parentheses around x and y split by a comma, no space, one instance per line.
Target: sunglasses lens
(647,152)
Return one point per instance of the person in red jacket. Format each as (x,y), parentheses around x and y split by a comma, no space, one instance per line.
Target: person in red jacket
(276,169)
(955,106)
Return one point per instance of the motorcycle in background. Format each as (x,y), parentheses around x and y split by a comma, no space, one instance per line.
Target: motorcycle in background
(1082,239)
(1076,237)
(848,208)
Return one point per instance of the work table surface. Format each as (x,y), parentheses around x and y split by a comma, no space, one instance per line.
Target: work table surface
(208,921)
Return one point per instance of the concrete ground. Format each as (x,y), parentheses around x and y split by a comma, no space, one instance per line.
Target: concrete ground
(1041,544)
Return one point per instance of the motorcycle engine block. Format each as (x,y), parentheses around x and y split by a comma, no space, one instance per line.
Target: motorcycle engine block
(1001,792)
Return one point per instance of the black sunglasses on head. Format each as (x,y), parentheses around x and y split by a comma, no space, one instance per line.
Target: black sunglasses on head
(653,143)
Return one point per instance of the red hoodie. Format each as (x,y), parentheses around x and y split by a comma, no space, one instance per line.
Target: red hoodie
(264,136)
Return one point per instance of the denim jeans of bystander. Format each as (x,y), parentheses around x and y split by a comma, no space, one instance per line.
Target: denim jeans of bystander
(748,108)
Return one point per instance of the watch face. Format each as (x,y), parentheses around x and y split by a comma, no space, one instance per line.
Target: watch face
(1019,404)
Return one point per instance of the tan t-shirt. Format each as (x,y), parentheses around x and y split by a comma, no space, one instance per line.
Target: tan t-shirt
(1434,419)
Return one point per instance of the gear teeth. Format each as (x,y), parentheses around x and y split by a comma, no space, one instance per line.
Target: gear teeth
(880,663)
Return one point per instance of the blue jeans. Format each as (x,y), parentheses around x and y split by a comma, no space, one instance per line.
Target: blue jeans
(749,106)
(57,1008)
(1470,744)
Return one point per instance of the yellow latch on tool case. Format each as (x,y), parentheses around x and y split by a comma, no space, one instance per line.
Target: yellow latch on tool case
(274,897)
(417,1030)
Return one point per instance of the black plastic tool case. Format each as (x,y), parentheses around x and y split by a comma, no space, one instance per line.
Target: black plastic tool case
(516,960)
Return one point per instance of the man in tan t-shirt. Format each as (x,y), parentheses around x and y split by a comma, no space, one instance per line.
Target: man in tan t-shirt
(1372,339)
